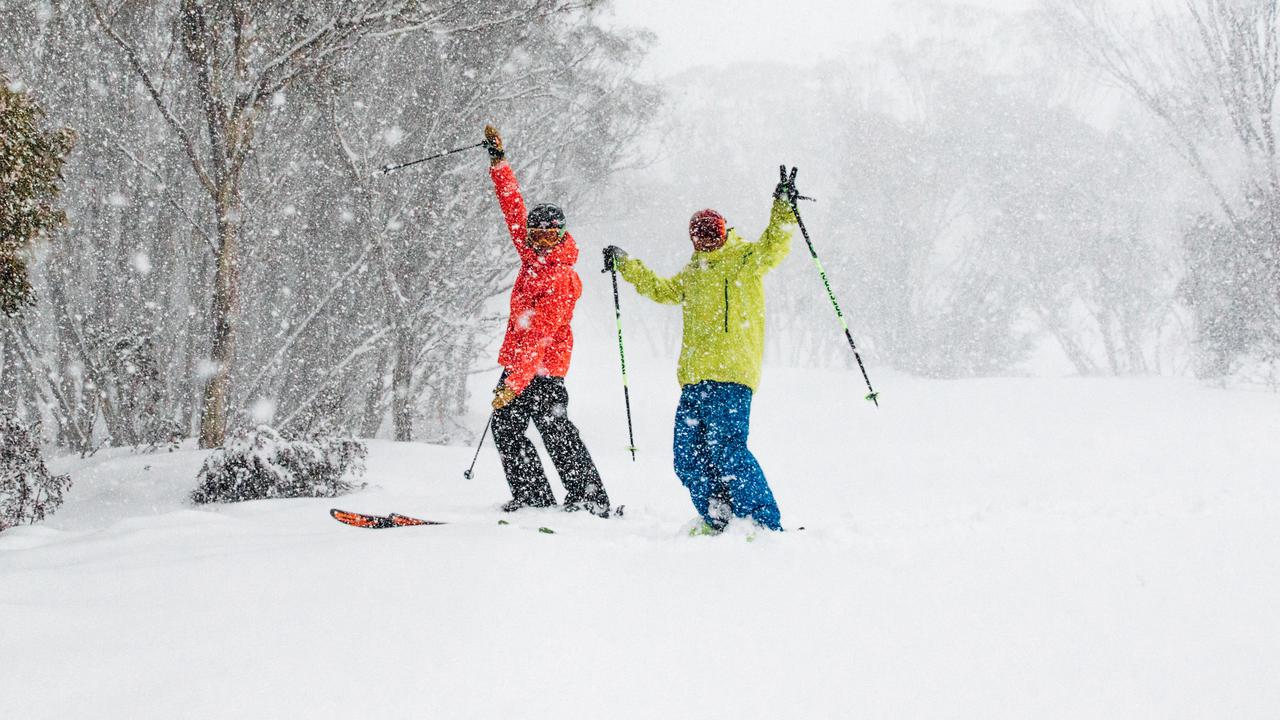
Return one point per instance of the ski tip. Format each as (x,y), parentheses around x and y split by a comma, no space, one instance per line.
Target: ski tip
(404,520)
(360,519)
(363,520)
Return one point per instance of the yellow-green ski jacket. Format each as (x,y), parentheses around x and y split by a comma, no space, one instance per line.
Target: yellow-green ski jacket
(722,294)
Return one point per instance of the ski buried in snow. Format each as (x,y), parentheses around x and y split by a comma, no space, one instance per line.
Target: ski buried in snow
(543,530)
(378,522)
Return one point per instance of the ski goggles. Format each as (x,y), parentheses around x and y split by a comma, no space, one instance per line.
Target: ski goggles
(547,235)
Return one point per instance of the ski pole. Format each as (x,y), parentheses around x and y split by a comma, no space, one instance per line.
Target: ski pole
(389,167)
(622,355)
(479,445)
(872,395)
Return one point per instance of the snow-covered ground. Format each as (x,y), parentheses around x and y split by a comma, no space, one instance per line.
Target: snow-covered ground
(1047,548)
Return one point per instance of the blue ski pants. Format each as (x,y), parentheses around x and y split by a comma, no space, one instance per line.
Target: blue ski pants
(712,459)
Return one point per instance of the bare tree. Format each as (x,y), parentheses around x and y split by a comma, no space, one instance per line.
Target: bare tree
(238,55)
(1209,70)
(359,299)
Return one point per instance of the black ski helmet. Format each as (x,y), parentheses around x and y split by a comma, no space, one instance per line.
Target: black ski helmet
(546,216)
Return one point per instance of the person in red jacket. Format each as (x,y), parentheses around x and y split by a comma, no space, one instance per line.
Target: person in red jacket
(535,354)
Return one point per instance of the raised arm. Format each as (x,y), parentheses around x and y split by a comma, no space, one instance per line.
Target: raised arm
(507,189)
(774,244)
(669,291)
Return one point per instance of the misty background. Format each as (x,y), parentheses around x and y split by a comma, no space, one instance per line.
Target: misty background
(1004,188)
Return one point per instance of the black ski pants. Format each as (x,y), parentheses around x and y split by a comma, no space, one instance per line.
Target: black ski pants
(546,402)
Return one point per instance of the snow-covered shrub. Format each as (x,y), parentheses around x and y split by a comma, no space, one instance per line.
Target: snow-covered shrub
(262,464)
(161,433)
(28,492)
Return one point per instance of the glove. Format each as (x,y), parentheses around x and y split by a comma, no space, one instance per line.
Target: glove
(502,396)
(493,143)
(786,190)
(612,256)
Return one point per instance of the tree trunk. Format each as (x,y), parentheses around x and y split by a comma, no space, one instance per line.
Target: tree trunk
(1080,359)
(225,309)
(401,393)
(374,409)
(9,387)
(1107,322)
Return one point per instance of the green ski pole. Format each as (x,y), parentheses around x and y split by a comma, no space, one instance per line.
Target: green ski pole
(622,355)
(872,395)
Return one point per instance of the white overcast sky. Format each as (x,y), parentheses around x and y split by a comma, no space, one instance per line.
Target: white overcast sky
(721,32)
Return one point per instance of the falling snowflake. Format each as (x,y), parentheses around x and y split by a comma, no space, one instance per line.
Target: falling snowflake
(206,369)
(263,411)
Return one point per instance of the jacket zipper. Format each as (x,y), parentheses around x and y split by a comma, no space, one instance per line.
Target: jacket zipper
(726,305)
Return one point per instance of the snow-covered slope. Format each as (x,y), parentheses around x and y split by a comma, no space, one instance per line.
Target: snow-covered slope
(989,548)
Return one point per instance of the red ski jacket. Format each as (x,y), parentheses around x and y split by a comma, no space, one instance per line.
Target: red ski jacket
(538,340)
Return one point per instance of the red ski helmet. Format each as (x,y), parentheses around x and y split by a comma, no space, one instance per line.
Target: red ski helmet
(707,224)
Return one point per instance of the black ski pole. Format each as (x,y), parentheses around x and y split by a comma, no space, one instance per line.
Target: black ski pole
(622,355)
(389,167)
(479,445)
(872,395)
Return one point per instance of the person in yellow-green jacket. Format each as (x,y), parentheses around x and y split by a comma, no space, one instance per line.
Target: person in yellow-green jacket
(721,292)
